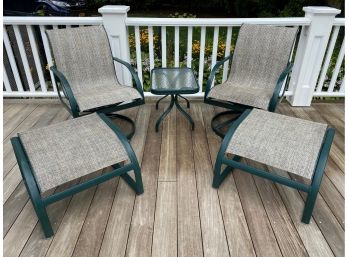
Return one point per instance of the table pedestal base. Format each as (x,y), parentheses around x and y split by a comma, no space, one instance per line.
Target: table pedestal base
(174,101)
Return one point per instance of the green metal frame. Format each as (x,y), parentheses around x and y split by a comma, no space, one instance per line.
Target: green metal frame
(174,94)
(239,108)
(235,163)
(40,203)
(74,110)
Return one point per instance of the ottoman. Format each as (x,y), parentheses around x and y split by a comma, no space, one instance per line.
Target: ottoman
(54,155)
(293,145)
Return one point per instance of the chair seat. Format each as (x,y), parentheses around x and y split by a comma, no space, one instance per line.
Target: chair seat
(65,151)
(286,143)
(254,97)
(92,98)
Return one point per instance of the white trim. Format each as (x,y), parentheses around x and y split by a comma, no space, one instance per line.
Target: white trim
(211,22)
(34,20)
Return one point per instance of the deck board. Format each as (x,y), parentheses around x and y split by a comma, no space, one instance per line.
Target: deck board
(179,214)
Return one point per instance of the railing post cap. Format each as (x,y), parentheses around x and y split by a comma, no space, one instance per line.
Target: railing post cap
(321,10)
(107,9)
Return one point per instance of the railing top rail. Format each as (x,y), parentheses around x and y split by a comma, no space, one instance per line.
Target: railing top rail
(137,21)
(34,20)
(339,22)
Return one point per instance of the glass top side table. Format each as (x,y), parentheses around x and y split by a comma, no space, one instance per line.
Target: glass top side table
(174,82)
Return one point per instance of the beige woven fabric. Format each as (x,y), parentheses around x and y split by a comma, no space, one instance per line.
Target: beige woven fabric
(109,94)
(286,143)
(255,97)
(84,56)
(261,54)
(71,149)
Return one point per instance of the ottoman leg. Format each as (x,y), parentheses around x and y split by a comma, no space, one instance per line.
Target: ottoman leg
(44,220)
(309,206)
(318,175)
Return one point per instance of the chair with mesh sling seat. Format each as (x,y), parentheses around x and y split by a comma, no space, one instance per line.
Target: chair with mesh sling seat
(260,65)
(285,143)
(52,156)
(85,72)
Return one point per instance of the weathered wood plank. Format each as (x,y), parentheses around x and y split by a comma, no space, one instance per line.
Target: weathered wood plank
(117,230)
(311,236)
(328,223)
(23,227)
(165,227)
(288,239)
(189,229)
(261,231)
(213,233)
(15,116)
(237,232)
(67,234)
(91,236)
(167,169)
(141,230)
(37,245)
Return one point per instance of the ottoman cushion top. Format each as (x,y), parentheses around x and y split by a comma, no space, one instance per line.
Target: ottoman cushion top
(280,141)
(71,149)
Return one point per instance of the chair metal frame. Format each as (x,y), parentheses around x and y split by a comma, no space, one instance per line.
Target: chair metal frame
(40,203)
(234,163)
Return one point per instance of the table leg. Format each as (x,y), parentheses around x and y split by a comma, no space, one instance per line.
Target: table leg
(159,101)
(187,101)
(161,118)
(183,112)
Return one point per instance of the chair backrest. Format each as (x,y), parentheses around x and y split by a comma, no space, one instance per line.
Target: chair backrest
(84,56)
(261,54)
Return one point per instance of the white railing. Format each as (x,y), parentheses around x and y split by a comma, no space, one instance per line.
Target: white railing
(154,42)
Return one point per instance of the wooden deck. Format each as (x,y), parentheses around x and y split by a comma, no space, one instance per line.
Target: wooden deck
(179,214)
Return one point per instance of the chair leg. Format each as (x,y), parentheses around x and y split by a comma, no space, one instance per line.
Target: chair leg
(217,170)
(138,181)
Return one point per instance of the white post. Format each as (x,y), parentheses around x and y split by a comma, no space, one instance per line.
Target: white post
(114,21)
(310,54)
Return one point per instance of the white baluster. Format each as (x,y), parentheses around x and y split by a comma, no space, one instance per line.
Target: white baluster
(24,58)
(327,58)
(151,54)
(337,68)
(164,46)
(227,53)
(201,58)
(37,60)
(138,53)
(176,47)
(342,86)
(189,47)
(6,81)
(12,60)
(48,56)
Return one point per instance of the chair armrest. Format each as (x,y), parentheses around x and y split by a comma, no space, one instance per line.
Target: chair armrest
(275,97)
(74,109)
(213,72)
(138,85)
